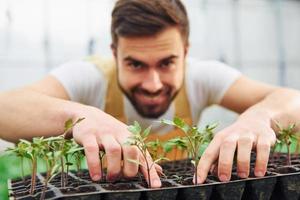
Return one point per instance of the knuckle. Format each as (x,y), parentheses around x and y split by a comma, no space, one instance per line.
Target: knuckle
(264,146)
(131,152)
(227,144)
(207,155)
(130,172)
(91,148)
(114,150)
(245,140)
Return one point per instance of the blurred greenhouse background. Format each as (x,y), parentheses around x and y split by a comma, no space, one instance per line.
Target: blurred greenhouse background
(258,37)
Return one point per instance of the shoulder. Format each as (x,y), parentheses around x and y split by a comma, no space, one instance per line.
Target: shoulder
(79,68)
(208,69)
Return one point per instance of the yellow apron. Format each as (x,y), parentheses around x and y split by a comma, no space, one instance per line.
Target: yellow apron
(114,104)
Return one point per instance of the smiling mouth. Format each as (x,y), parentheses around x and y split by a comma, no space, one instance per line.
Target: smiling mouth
(150,99)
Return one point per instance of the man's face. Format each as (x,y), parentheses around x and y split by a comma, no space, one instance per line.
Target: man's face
(151,70)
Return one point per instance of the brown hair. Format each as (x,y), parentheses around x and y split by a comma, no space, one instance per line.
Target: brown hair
(133,18)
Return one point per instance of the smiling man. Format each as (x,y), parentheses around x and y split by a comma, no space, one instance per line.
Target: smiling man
(150,77)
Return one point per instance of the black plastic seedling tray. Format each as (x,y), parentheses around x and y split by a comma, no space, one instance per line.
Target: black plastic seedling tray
(281,182)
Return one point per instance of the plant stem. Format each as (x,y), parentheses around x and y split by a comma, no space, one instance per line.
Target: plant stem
(22,168)
(33,176)
(62,180)
(288,161)
(67,172)
(46,184)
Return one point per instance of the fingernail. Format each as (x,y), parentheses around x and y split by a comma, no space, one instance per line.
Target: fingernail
(259,173)
(96,177)
(223,178)
(242,175)
(156,183)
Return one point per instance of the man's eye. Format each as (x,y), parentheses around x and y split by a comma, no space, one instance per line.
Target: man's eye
(135,65)
(166,64)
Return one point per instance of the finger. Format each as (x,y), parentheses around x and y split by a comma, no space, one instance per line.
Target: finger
(226,156)
(262,155)
(209,156)
(158,169)
(154,180)
(214,169)
(243,155)
(91,150)
(130,169)
(113,153)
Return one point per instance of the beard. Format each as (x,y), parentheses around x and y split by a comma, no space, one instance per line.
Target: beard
(150,104)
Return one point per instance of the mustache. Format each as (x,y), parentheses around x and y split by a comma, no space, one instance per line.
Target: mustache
(162,91)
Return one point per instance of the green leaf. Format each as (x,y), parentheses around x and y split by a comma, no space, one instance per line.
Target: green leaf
(168,147)
(25,141)
(146,132)
(160,159)
(135,129)
(68,124)
(193,162)
(168,122)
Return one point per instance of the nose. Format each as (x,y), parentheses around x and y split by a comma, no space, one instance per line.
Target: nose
(152,82)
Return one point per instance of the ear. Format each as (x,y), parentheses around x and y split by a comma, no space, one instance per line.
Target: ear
(186,49)
(114,50)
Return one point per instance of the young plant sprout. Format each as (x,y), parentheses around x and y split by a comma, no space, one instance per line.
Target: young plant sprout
(20,151)
(177,144)
(101,156)
(194,139)
(285,137)
(65,147)
(51,150)
(139,139)
(78,156)
(50,154)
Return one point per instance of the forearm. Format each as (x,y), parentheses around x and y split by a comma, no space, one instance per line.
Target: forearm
(282,106)
(25,114)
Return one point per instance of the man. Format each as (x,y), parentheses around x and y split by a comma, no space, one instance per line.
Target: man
(151,78)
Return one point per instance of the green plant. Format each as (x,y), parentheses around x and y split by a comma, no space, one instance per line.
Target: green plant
(101,156)
(78,156)
(175,143)
(139,139)
(50,154)
(178,179)
(65,147)
(194,139)
(20,151)
(285,137)
(50,150)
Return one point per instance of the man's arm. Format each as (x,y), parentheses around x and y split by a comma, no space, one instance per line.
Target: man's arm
(260,105)
(41,110)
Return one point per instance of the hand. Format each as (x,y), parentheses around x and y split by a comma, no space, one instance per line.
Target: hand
(250,131)
(101,131)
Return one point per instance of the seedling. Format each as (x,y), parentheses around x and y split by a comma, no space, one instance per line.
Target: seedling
(178,179)
(175,143)
(285,137)
(49,149)
(194,139)
(139,139)
(65,147)
(20,151)
(78,156)
(50,154)
(101,156)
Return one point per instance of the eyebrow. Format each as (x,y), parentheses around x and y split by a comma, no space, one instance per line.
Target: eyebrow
(130,58)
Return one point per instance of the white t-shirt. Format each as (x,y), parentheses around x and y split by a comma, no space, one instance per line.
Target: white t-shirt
(206,84)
